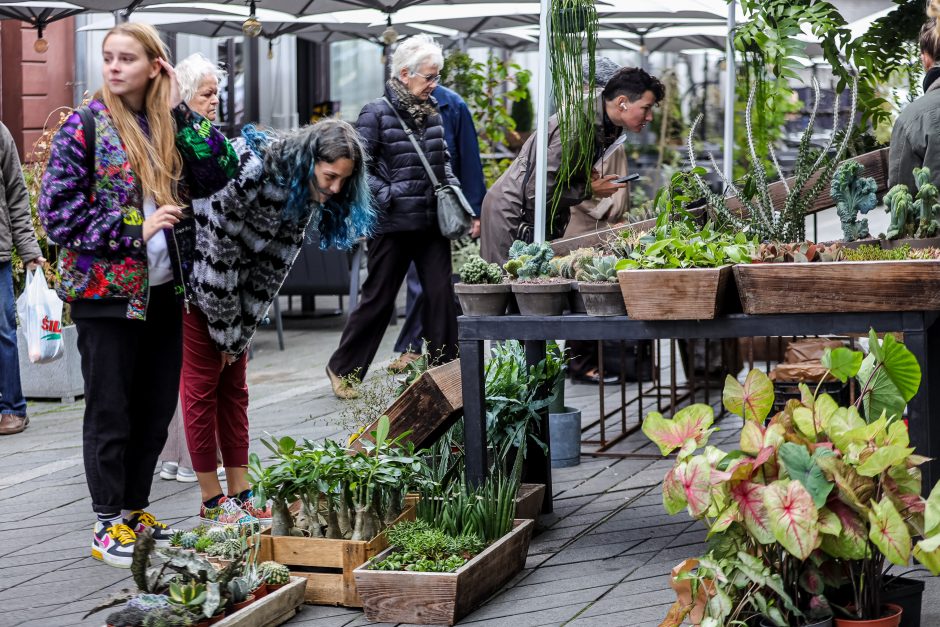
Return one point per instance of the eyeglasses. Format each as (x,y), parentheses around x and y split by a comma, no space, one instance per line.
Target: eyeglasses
(435,78)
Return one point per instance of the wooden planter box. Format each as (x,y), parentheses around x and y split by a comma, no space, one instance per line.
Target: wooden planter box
(326,565)
(529,500)
(273,609)
(675,294)
(839,286)
(443,598)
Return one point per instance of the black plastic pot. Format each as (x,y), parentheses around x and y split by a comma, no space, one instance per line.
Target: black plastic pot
(908,593)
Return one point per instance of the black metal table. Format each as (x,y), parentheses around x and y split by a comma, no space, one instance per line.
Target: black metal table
(921,336)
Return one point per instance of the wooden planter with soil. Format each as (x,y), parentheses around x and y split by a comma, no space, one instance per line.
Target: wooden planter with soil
(675,294)
(326,564)
(839,286)
(529,500)
(275,608)
(443,598)
(483,300)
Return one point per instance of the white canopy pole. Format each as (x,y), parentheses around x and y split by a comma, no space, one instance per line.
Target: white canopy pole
(541,123)
(729,95)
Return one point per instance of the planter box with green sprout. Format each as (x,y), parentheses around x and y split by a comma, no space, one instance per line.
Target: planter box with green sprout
(331,505)
(481,289)
(538,290)
(804,517)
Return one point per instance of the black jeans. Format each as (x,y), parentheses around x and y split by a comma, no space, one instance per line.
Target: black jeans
(389,257)
(132,375)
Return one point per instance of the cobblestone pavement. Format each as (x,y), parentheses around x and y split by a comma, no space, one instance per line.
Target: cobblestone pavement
(601,559)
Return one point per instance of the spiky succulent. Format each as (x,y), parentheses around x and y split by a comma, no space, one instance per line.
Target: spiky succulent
(478,272)
(598,270)
(231,531)
(529,261)
(232,549)
(568,266)
(274,573)
(176,538)
(217,535)
(188,540)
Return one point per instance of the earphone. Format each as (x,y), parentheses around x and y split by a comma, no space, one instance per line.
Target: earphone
(623,106)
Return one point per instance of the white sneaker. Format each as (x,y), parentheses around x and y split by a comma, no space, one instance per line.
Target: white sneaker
(220,471)
(169,470)
(113,544)
(185,475)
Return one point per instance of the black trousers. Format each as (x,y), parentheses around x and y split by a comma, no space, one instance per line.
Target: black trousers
(389,257)
(132,375)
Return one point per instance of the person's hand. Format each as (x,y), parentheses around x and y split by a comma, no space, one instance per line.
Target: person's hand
(604,186)
(36,263)
(163,218)
(475,228)
(227,359)
(175,97)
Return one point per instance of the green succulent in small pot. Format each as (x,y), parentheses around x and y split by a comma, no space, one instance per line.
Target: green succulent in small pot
(816,499)
(599,286)
(538,289)
(481,290)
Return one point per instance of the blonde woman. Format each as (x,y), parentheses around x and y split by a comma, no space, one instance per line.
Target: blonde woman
(120,268)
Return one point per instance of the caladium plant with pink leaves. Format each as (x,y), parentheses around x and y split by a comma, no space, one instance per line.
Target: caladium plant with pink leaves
(815,495)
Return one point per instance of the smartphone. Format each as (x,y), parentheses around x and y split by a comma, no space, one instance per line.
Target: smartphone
(628,178)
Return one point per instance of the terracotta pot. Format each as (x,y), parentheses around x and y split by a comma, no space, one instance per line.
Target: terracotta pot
(275,586)
(260,591)
(243,604)
(892,619)
(217,618)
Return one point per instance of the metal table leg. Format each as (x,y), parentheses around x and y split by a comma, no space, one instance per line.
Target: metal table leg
(474,410)
(538,467)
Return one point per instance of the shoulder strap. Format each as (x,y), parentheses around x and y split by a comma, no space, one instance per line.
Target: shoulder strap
(410,134)
(88,126)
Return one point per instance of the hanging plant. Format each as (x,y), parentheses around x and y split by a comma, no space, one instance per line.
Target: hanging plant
(573,35)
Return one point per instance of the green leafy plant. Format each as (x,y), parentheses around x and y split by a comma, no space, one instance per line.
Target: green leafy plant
(817,493)
(201,545)
(867,252)
(529,262)
(523,113)
(598,270)
(421,547)
(486,511)
(680,245)
(854,194)
(478,272)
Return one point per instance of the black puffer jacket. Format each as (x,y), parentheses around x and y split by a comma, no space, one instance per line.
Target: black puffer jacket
(404,196)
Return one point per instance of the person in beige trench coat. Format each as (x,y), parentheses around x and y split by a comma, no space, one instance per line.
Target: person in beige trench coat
(508,214)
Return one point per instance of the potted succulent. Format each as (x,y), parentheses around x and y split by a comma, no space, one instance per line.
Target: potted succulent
(599,287)
(816,499)
(538,289)
(481,289)
(567,267)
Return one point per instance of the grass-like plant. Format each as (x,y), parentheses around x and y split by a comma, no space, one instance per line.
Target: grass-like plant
(759,217)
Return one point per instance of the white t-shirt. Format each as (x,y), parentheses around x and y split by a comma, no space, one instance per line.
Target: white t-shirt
(158,255)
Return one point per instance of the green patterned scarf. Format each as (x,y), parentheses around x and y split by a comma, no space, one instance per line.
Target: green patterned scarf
(419,110)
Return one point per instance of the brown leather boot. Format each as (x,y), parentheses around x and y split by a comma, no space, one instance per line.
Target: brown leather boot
(10,424)
(401,363)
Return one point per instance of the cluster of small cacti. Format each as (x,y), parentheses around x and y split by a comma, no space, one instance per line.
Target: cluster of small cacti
(770,252)
(568,266)
(478,272)
(598,270)
(529,261)
(274,573)
(217,535)
(231,531)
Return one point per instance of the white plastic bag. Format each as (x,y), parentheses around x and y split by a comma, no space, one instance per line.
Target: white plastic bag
(40,313)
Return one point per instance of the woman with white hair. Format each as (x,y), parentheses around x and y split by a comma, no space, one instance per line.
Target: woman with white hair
(198,79)
(406,230)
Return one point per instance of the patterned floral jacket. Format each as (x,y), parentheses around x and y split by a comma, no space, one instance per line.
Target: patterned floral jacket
(100,230)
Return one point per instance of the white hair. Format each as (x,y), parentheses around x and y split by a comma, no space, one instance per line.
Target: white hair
(415,52)
(191,71)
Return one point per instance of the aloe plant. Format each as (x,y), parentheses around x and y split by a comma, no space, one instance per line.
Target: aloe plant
(818,486)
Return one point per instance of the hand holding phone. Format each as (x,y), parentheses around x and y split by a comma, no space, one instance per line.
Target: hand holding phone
(628,178)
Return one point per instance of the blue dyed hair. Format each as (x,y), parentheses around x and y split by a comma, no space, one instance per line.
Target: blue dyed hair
(289,162)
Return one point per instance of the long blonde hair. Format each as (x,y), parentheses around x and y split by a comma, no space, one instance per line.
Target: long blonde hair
(155,161)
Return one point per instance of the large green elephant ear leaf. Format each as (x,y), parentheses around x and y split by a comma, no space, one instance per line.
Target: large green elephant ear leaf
(842,363)
(751,401)
(891,376)
(690,423)
(889,532)
(804,468)
(793,517)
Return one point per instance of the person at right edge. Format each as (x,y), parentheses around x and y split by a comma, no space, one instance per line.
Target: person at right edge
(626,102)
(915,138)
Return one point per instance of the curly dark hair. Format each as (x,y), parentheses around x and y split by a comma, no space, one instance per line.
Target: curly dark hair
(633,82)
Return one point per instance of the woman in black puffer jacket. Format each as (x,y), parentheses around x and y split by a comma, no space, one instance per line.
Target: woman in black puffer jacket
(406,229)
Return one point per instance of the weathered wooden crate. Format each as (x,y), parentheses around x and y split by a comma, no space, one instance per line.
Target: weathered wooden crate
(839,286)
(326,565)
(426,409)
(443,598)
(529,500)
(275,608)
(674,294)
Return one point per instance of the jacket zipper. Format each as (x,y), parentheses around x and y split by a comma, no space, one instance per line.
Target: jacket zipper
(179,266)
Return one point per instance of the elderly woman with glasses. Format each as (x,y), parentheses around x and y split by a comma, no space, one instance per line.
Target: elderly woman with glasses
(406,229)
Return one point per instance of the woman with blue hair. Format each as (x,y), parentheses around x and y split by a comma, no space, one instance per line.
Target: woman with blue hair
(247,238)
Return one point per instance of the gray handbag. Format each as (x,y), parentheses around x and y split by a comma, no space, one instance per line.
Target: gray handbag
(454,214)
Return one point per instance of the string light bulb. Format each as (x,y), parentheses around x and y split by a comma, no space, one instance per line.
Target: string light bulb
(252,25)
(40,45)
(270,49)
(389,35)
